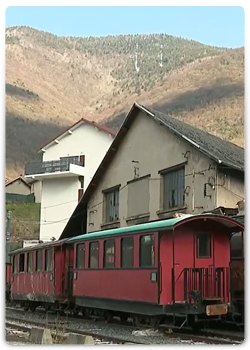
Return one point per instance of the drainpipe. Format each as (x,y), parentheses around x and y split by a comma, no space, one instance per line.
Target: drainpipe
(193,191)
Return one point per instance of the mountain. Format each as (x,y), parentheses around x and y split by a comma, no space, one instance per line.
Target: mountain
(53,81)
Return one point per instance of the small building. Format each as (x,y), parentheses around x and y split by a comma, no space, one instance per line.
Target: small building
(155,167)
(36,188)
(18,186)
(68,163)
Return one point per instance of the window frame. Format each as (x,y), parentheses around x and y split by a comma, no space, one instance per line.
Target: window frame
(14,264)
(121,252)
(105,253)
(166,173)
(140,253)
(39,251)
(89,257)
(45,260)
(242,246)
(30,254)
(111,191)
(19,263)
(84,255)
(204,234)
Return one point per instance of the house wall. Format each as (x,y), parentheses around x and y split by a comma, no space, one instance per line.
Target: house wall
(85,140)
(58,202)
(230,188)
(17,187)
(36,188)
(155,148)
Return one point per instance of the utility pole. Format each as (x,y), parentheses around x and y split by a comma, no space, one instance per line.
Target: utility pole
(9,214)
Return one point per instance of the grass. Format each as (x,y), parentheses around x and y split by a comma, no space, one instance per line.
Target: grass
(24,211)
(25,220)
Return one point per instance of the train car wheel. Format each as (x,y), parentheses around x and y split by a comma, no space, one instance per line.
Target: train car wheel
(32,307)
(123,318)
(108,316)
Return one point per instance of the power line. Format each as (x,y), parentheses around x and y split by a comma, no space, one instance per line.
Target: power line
(75,200)
(95,205)
(57,205)
(22,224)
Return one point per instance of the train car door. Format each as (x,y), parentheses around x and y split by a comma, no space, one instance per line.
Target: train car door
(58,270)
(203,249)
(69,261)
(182,258)
(205,275)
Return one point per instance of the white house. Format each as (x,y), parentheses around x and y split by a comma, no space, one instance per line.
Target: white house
(68,164)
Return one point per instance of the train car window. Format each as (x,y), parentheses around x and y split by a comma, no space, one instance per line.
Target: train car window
(236,244)
(147,251)
(48,260)
(94,255)
(80,256)
(21,262)
(109,253)
(14,264)
(38,260)
(203,245)
(30,261)
(127,252)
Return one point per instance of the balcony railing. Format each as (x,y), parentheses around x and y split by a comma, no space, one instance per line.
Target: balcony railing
(51,166)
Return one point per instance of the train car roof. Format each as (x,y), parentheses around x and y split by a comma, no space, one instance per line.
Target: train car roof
(39,246)
(159,226)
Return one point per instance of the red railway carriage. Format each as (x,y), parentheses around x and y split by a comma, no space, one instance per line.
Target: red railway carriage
(39,274)
(173,267)
(177,270)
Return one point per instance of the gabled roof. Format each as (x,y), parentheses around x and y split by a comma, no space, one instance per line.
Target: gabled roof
(17,178)
(75,126)
(221,151)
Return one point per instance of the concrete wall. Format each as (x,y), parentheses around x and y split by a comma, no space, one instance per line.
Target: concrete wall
(155,148)
(17,187)
(59,199)
(230,188)
(36,188)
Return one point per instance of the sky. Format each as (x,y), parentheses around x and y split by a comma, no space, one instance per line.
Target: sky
(212,25)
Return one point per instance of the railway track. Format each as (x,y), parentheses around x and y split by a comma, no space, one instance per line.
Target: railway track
(183,335)
(15,324)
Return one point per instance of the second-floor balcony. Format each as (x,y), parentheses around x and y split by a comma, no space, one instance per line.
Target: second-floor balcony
(65,167)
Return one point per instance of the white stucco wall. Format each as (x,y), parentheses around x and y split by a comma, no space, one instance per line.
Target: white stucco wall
(59,199)
(60,195)
(85,140)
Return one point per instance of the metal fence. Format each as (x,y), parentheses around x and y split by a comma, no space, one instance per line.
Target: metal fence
(14,197)
(50,166)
